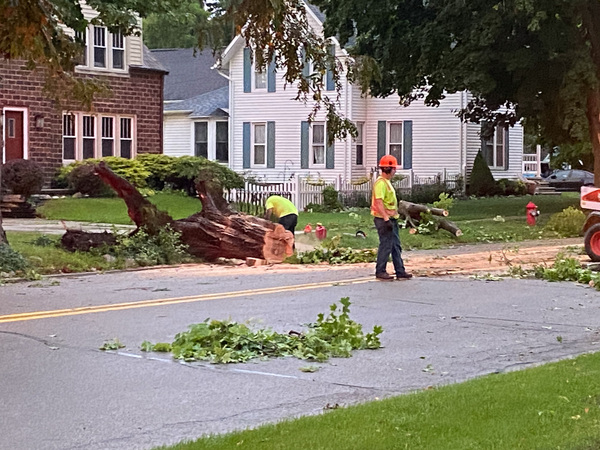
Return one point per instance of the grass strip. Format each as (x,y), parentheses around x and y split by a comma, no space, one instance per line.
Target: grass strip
(555,406)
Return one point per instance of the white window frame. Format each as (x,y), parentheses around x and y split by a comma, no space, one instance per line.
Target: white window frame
(118,45)
(359,141)
(70,136)
(259,76)
(195,137)
(399,156)
(109,46)
(129,138)
(226,141)
(498,147)
(117,138)
(312,145)
(255,144)
(105,136)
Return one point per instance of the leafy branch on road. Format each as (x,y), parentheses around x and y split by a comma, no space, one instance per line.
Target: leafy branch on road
(335,335)
(568,269)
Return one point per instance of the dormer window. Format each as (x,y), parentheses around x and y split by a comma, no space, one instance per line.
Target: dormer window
(103,50)
(99,47)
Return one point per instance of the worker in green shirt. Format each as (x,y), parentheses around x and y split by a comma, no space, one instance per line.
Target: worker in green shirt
(284,210)
(384,209)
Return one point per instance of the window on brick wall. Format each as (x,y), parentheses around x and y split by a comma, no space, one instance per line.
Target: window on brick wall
(69,137)
(88,136)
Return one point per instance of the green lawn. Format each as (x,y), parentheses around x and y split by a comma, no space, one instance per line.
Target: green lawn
(113,210)
(555,406)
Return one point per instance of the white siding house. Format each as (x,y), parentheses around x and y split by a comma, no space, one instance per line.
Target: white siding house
(271,139)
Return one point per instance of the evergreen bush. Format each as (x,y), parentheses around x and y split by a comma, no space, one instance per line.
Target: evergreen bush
(23,177)
(567,223)
(481,183)
(331,201)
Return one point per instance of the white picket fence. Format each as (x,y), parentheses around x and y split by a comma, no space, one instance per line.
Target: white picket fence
(305,190)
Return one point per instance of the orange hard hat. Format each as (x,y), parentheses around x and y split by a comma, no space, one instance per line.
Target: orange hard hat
(388,161)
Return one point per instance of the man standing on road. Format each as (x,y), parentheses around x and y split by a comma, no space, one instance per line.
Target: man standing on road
(284,210)
(384,208)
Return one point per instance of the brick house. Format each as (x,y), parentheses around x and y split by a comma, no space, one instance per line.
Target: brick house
(125,123)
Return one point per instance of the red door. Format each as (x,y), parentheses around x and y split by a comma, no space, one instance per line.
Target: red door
(13,134)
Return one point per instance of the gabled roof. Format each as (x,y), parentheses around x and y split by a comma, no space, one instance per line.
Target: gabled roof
(189,75)
(210,104)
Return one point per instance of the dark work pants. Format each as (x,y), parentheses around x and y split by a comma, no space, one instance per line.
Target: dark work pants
(389,244)
(289,222)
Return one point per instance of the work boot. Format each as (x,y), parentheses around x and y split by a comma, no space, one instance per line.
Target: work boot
(384,276)
(404,276)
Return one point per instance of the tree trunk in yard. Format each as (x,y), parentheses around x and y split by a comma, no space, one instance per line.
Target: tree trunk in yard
(215,232)
(593,116)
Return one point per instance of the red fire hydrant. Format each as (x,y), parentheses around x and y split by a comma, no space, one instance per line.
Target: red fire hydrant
(320,232)
(532,213)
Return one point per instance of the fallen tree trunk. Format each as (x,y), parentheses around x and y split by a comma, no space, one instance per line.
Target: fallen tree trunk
(414,210)
(450,226)
(215,232)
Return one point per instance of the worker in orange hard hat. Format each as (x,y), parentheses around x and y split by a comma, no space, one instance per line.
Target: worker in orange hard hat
(384,208)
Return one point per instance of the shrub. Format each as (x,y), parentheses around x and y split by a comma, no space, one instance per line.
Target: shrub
(330,200)
(165,247)
(567,223)
(511,187)
(83,180)
(423,193)
(10,260)
(23,176)
(482,183)
(160,167)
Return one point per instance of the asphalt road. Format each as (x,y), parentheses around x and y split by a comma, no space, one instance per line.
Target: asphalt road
(59,391)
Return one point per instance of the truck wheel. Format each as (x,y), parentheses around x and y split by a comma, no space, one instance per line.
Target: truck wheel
(592,242)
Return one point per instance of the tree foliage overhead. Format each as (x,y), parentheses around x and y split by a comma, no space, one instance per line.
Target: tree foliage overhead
(537,59)
(178,28)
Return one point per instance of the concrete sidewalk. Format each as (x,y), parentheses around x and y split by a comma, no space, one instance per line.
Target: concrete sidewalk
(58,226)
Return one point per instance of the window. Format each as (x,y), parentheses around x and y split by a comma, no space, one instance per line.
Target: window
(317,142)
(118,51)
(395,141)
(81,37)
(359,142)
(494,148)
(259,144)
(89,137)
(201,133)
(108,138)
(95,136)
(222,142)
(99,47)
(260,79)
(11,125)
(102,50)
(69,136)
(126,142)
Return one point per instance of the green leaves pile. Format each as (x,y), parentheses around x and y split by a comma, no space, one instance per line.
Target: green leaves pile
(568,269)
(228,342)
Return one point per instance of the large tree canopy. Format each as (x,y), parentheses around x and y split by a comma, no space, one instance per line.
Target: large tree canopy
(537,59)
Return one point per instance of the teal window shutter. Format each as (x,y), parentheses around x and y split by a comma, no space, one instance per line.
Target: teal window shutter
(247,70)
(381,139)
(407,145)
(271,79)
(506,148)
(270,145)
(304,145)
(246,145)
(330,156)
(329,84)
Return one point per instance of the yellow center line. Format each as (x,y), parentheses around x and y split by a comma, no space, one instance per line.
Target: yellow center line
(171,301)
